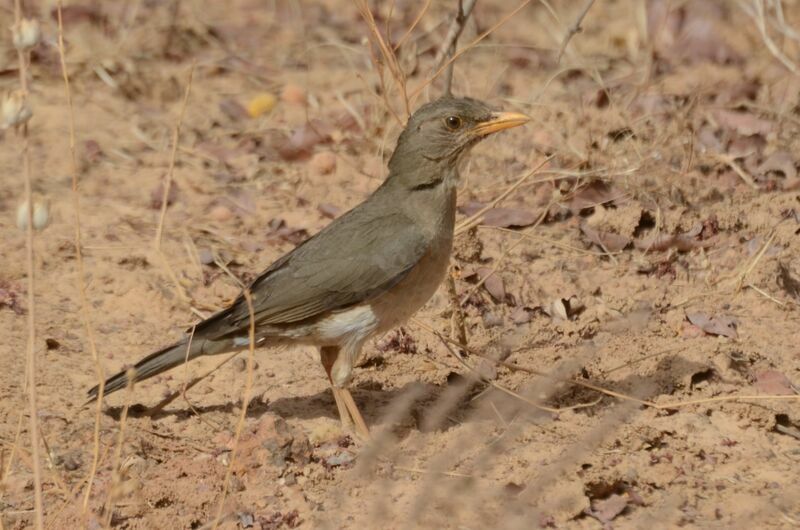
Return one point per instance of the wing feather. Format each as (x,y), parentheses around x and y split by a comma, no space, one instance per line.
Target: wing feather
(357,257)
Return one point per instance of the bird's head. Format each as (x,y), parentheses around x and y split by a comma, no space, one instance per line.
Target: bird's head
(439,133)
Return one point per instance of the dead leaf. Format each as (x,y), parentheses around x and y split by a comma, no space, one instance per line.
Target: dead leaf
(744,123)
(233,109)
(521,315)
(689,31)
(329,210)
(92,152)
(302,140)
(493,283)
(787,282)
(606,240)
(680,242)
(605,510)
(510,217)
(79,13)
(718,325)
(774,382)
(596,192)
(743,146)
(157,195)
(11,297)
(708,139)
(779,163)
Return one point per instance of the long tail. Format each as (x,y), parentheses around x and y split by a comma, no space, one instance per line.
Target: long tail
(153,364)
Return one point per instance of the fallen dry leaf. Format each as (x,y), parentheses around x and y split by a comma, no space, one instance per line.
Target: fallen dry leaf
(689,31)
(157,195)
(80,13)
(233,109)
(493,283)
(521,315)
(605,510)
(302,140)
(505,217)
(743,146)
(681,242)
(779,164)
(744,123)
(329,210)
(510,217)
(718,325)
(10,297)
(597,192)
(774,382)
(606,240)
(788,282)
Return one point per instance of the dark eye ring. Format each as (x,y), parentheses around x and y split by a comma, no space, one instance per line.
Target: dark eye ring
(453,122)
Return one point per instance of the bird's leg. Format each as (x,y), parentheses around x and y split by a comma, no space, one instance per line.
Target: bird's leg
(328,355)
(361,425)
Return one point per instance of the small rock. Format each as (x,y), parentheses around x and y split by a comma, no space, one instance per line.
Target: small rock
(329,210)
(205,256)
(294,94)
(236,484)
(521,315)
(323,163)
(157,195)
(491,320)
(220,213)
(239,364)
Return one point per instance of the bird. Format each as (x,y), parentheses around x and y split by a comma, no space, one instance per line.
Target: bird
(365,273)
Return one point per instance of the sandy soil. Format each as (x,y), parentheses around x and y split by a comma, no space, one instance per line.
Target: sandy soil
(655,255)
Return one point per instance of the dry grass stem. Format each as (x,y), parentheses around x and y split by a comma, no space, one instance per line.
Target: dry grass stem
(33,409)
(172,157)
(245,403)
(85,309)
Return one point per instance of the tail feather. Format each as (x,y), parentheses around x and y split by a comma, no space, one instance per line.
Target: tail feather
(153,364)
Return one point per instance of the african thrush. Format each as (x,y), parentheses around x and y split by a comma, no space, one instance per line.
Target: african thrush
(367,271)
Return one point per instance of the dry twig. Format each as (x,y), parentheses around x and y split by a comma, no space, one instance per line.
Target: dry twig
(448,47)
(479,38)
(573,29)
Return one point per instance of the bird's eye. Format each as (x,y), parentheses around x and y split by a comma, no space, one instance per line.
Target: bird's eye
(453,122)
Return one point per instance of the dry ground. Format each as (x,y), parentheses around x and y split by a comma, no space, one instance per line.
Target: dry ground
(655,255)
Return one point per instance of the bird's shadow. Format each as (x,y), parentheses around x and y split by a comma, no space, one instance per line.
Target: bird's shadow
(376,403)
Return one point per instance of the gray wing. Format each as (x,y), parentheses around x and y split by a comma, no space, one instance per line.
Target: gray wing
(357,257)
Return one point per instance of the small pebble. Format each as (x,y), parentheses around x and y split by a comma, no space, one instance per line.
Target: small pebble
(220,213)
(261,104)
(236,484)
(239,364)
(491,320)
(294,94)
(323,163)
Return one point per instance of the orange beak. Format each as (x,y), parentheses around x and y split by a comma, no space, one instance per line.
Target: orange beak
(500,121)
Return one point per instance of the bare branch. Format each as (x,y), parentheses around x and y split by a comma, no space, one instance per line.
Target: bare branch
(573,29)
